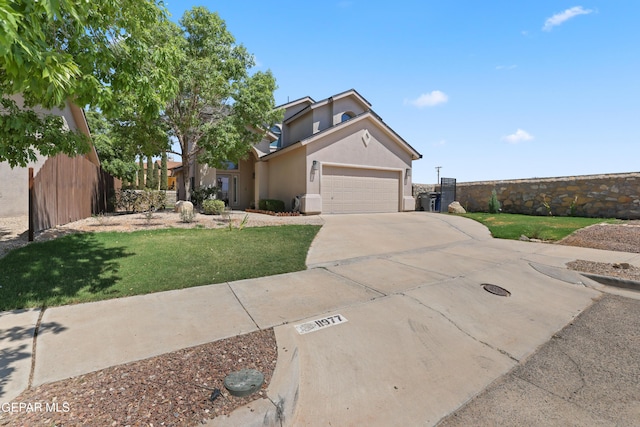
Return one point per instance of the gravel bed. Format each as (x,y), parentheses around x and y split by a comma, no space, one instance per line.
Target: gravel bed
(174,389)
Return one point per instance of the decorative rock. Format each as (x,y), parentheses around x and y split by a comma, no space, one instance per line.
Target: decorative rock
(456,207)
(183,206)
(523,238)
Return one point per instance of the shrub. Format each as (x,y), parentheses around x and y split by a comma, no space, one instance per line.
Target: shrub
(494,203)
(187,215)
(201,194)
(271,205)
(140,200)
(213,207)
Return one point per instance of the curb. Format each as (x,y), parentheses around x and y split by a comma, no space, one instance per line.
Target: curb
(613,281)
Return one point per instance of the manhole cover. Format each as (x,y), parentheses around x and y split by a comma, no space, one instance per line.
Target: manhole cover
(244,382)
(496,290)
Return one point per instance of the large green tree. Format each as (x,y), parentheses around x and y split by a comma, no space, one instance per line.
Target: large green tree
(95,53)
(116,157)
(220,109)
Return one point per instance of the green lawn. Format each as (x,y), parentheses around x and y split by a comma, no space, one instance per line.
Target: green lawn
(512,226)
(96,266)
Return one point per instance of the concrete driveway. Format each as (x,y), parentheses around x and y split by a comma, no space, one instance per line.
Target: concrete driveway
(409,334)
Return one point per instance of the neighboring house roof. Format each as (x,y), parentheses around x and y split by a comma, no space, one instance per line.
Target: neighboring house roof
(368,115)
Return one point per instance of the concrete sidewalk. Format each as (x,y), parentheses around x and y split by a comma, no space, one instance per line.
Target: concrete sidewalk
(422,336)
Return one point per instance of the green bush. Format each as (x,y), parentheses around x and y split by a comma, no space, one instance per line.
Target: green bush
(140,200)
(494,203)
(213,207)
(271,205)
(199,195)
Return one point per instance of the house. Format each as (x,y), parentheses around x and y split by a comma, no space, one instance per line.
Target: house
(14,183)
(330,156)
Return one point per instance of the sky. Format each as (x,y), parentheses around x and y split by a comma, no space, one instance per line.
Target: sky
(486,90)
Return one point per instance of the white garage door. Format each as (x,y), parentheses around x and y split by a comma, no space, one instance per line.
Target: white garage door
(353,190)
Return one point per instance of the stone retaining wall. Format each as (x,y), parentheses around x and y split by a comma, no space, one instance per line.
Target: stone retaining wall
(596,196)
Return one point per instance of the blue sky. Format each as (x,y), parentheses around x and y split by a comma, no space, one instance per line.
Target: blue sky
(499,89)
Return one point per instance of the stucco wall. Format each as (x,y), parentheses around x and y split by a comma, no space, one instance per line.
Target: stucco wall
(598,196)
(14,188)
(287,176)
(344,105)
(298,129)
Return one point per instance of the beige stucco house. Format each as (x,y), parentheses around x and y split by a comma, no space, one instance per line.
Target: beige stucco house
(330,156)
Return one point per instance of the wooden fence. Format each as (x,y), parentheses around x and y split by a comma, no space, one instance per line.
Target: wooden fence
(68,189)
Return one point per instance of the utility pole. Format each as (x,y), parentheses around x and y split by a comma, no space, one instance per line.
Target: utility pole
(438,170)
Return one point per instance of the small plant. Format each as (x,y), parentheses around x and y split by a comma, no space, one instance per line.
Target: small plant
(546,205)
(148,215)
(213,207)
(244,221)
(573,207)
(535,231)
(187,215)
(101,219)
(494,203)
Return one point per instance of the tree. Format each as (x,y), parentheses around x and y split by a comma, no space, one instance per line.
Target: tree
(116,158)
(91,52)
(220,110)
(140,173)
(164,181)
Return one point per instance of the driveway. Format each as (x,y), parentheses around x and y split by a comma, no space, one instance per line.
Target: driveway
(412,335)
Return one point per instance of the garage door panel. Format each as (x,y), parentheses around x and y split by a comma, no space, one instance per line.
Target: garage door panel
(353,190)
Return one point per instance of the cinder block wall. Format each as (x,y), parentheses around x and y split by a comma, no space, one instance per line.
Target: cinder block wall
(596,196)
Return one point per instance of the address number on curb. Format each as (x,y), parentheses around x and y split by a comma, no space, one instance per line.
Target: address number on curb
(318,324)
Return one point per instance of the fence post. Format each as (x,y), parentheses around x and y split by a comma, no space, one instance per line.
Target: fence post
(31,206)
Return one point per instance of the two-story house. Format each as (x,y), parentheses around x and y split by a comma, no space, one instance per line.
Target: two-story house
(329,156)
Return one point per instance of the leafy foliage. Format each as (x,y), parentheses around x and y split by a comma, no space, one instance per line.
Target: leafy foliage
(272,205)
(115,157)
(140,200)
(23,134)
(199,195)
(104,53)
(219,108)
(213,207)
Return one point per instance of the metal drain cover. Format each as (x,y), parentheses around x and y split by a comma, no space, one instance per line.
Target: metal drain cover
(244,382)
(496,290)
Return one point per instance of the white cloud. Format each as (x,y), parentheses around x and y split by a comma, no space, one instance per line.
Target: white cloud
(519,136)
(429,99)
(506,67)
(440,143)
(561,17)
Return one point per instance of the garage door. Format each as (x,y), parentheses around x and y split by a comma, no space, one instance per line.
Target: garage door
(353,190)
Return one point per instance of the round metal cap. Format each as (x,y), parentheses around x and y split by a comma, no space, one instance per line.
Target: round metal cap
(244,382)
(496,290)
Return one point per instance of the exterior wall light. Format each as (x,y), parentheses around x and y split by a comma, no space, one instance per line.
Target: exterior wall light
(314,166)
(407,173)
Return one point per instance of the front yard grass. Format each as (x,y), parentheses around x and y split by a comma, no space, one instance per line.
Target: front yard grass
(550,228)
(97,266)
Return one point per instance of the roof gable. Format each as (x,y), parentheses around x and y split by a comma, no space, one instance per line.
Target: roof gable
(370,116)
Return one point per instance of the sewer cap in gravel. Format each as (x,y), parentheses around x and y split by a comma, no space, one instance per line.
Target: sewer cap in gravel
(244,382)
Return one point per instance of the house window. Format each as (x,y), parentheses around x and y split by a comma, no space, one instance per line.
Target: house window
(346,116)
(277,131)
